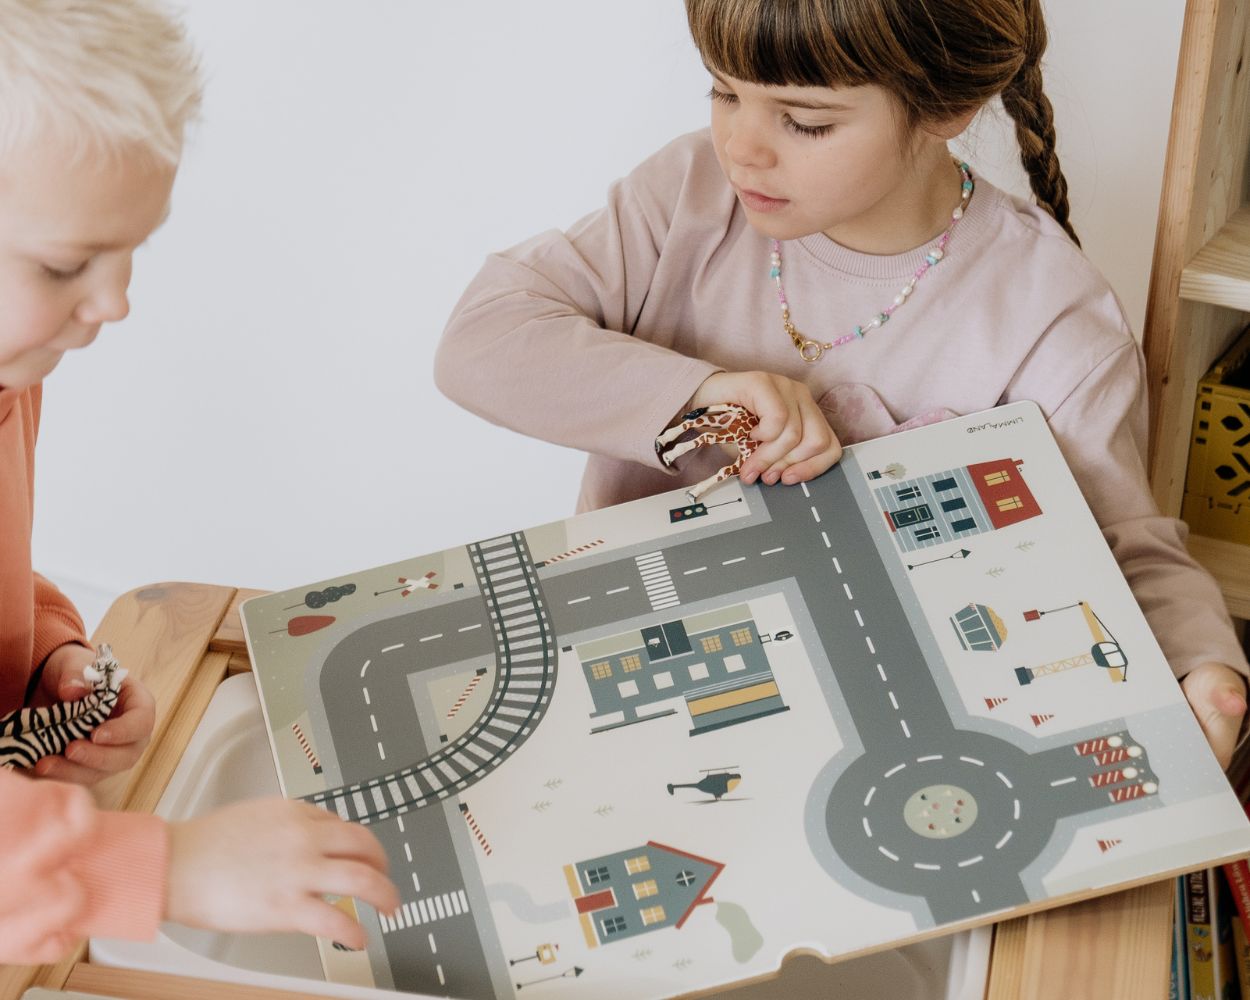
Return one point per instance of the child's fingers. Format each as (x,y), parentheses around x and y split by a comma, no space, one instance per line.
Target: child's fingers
(321,919)
(779,421)
(818,465)
(58,768)
(132,719)
(816,451)
(1217,696)
(71,688)
(105,760)
(130,729)
(358,880)
(1221,732)
(774,449)
(349,841)
(777,411)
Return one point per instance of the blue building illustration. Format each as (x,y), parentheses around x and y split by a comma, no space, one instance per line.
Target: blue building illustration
(721,672)
(638,891)
(952,505)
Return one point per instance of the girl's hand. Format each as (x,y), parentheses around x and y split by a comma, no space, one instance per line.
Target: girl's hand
(116,743)
(264,865)
(1217,695)
(796,441)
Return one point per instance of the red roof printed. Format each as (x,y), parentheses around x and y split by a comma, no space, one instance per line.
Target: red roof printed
(717,865)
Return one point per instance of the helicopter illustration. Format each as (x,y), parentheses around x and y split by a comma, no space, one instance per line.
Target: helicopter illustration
(716,782)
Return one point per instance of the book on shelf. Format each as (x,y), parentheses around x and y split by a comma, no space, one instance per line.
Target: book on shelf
(1209,917)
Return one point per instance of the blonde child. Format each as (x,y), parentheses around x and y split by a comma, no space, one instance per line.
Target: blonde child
(819,258)
(94,98)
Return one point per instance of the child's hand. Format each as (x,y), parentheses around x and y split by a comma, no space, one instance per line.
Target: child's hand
(796,441)
(264,865)
(1217,695)
(117,743)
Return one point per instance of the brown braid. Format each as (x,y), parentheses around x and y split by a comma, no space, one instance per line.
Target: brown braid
(1030,109)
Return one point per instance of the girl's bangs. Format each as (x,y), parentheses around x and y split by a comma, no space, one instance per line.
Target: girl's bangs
(773,42)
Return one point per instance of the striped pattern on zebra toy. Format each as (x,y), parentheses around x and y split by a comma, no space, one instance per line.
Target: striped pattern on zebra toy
(31,733)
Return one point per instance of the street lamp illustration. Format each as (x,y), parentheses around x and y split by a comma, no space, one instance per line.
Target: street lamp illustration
(961,554)
(572,973)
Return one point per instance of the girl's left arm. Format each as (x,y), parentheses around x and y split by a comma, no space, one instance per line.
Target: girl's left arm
(1101,428)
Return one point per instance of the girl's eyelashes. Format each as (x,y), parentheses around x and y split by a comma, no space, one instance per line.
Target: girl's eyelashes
(64,274)
(798,128)
(811,131)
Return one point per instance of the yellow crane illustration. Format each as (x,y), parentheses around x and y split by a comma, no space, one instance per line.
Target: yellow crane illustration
(1105,651)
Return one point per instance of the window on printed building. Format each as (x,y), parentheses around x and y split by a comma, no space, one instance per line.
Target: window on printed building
(956,504)
(631,663)
(997,478)
(1009,503)
(596,875)
(685,878)
(907,493)
(601,670)
(741,637)
(942,485)
(652,915)
(612,925)
(963,524)
(924,534)
(712,644)
(644,889)
(637,865)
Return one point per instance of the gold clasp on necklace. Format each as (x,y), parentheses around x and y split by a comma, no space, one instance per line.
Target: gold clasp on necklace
(811,350)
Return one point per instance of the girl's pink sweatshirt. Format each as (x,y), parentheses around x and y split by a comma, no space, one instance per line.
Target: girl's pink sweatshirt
(596,338)
(69,870)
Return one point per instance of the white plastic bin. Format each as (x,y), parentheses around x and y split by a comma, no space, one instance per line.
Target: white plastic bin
(228,759)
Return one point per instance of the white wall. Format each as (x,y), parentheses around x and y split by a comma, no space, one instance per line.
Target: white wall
(266,415)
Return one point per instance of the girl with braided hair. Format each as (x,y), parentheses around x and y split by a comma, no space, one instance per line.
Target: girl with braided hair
(819,258)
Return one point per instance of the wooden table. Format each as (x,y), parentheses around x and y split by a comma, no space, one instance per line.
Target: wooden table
(184,638)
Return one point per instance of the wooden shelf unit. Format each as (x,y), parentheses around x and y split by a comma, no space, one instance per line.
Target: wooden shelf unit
(1199,297)
(1219,274)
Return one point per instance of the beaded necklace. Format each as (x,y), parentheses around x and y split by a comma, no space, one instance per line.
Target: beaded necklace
(811,350)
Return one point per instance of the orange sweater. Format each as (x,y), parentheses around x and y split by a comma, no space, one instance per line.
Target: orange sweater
(100,873)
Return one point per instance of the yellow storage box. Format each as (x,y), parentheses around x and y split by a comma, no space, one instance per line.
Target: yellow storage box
(1217,484)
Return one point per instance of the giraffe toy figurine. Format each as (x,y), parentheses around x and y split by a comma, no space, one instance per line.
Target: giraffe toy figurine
(721,423)
(31,733)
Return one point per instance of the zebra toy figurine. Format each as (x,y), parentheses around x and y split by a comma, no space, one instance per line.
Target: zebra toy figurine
(31,733)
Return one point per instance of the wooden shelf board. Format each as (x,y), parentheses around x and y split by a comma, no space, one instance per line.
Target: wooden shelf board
(1229,563)
(1219,273)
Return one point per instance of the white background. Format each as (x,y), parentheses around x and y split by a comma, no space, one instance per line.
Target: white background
(266,416)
